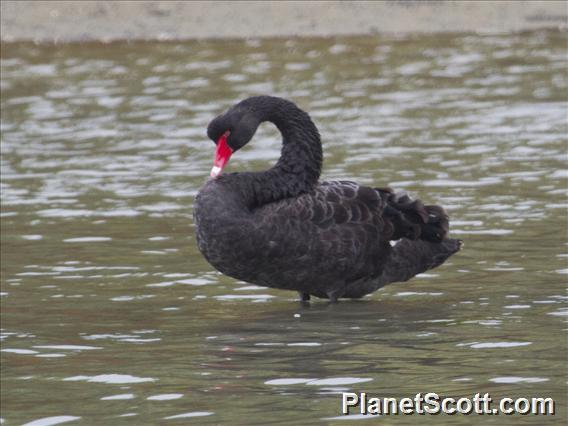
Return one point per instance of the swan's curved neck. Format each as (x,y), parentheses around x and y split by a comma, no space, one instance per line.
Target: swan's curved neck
(299,166)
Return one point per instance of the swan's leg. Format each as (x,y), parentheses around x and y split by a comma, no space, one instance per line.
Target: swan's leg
(304,297)
(333,296)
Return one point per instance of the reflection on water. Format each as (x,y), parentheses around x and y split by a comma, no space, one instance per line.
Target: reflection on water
(109,313)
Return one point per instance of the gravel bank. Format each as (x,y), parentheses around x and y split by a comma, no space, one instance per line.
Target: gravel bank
(59,21)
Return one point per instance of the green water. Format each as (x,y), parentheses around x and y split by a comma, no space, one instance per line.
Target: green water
(110,315)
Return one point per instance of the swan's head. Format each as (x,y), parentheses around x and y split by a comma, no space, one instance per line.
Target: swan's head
(231,131)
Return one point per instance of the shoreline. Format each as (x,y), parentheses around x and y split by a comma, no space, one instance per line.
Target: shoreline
(107,21)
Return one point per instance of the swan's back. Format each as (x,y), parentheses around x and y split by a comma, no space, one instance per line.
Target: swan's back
(333,234)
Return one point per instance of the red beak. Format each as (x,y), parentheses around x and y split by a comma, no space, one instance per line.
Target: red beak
(222,154)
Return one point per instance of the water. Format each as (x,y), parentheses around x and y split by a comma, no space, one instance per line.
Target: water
(111,316)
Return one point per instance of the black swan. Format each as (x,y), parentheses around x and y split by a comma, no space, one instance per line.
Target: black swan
(283,228)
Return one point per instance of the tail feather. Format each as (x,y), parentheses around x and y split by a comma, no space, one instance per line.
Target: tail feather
(408,258)
(412,219)
(437,226)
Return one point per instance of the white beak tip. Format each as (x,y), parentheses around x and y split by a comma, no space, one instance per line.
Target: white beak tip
(215,171)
